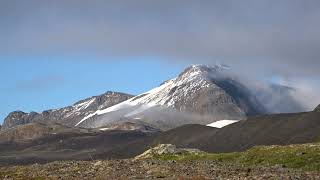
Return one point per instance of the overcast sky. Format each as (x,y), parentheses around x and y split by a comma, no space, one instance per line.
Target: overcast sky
(256,38)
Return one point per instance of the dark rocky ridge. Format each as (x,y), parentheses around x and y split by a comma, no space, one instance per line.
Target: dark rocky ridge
(317,109)
(68,115)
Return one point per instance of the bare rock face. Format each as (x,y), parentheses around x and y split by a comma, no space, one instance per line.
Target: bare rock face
(17,118)
(68,115)
(317,109)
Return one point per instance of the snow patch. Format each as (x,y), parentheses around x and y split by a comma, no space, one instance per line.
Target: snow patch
(222,123)
(104,129)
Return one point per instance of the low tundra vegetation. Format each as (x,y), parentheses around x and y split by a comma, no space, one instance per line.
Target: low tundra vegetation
(300,156)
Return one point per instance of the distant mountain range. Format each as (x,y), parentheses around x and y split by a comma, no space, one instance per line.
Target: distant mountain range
(201,94)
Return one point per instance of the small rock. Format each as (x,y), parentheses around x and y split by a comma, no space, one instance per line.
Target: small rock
(163,149)
(98,163)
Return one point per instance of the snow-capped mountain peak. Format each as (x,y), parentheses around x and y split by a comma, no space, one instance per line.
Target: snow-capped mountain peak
(188,92)
(191,80)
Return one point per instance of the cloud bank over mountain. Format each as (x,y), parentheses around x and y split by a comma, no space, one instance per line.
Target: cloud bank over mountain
(279,35)
(254,37)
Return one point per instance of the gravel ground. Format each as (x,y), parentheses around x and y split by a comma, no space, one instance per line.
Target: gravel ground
(149,169)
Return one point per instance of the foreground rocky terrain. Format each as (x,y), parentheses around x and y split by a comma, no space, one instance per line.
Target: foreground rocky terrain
(168,162)
(150,169)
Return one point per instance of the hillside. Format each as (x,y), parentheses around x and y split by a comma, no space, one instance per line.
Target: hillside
(279,129)
(39,143)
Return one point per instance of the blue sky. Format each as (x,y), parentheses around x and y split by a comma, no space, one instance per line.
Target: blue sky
(37,84)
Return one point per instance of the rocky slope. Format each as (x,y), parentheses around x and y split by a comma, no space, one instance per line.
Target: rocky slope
(68,115)
(201,94)
(317,109)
